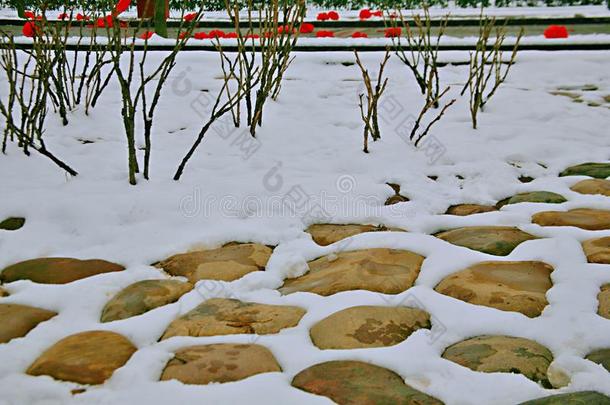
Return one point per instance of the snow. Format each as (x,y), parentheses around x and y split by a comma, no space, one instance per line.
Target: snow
(459,12)
(435,11)
(312,140)
(446,41)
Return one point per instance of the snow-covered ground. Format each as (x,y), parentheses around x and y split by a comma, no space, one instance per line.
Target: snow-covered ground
(311,141)
(322,43)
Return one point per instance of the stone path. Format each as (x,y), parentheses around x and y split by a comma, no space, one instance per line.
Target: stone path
(18,320)
(327,234)
(91,357)
(584,218)
(56,270)
(221,316)
(534,197)
(592,186)
(219,363)
(597,250)
(228,263)
(87,358)
(503,354)
(509,286)
(368,326)
(354,382)
(387,271)
(143,296)
(493,240)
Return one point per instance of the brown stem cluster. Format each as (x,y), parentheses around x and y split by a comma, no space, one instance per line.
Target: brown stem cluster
(369,107)
(487,70)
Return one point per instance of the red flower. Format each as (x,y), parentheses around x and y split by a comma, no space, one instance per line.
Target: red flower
(80,17)
(556,31)
(325,34)
(392,32)
(201,35)
(121,6)
(231,35)
(147,35)
(63,16)
(190,17)
(306,28)
(359,34)
(284,29)
(105,22)
(322,17)
(253,36)
(333,15)
(182,35)
(29,15)
(30,29)
(217,34)
(378,13)
(365,14)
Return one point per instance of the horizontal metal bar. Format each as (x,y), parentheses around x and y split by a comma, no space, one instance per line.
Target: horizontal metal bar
(359,48)
(452,22)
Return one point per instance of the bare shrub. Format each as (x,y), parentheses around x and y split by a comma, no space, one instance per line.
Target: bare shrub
(25,107)
(267,50)
(420,53)
(122,45)
(368,111)
(487,69)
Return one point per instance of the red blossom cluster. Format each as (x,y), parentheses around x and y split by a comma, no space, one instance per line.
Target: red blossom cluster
(331,15)
(365,14)
(284,29)
(31,16)
(216,34)
(79,17)
(31,28)
(189,17)
(556,31)
(324,34)
(392,32)
(306,28)
(105,22)
(121,7)
(213,34)
(147,35)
